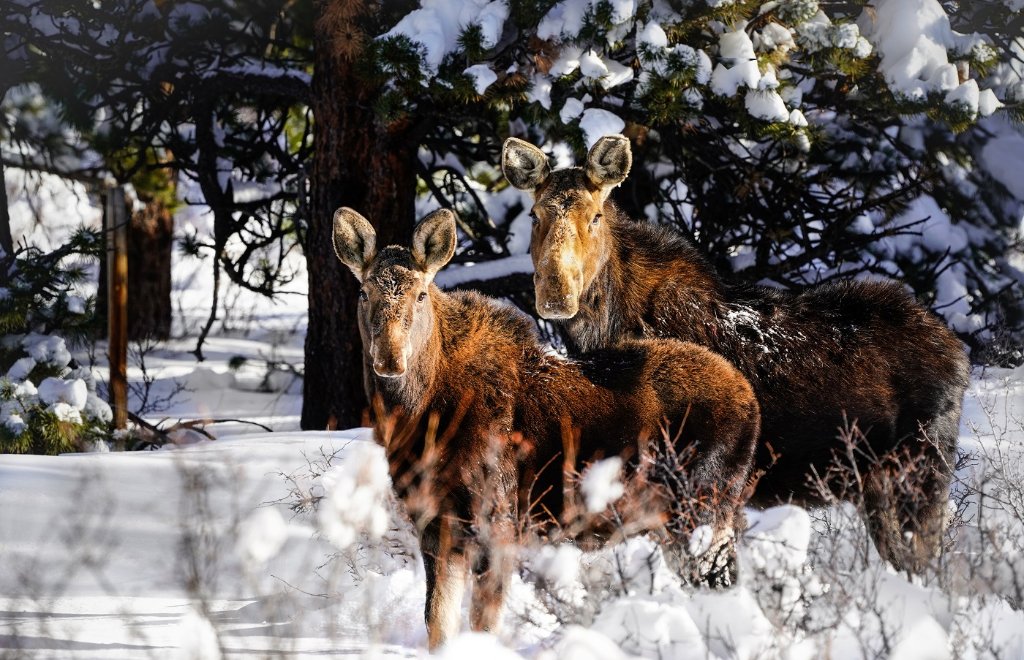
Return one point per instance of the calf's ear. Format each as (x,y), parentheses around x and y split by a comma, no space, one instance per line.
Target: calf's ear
(354,240)
(433,241)
(525,166)
(608,162)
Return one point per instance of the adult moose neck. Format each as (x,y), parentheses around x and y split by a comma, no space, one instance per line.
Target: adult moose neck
(646,267)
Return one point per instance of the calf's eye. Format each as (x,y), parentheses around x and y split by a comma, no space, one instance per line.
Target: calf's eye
(597,219)
(422,296)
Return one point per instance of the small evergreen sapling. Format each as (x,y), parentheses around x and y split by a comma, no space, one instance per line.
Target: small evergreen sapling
(48,403)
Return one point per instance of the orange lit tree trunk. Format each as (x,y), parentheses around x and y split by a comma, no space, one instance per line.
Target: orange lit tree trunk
(367,164)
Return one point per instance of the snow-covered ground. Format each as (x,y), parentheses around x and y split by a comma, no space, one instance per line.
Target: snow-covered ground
(196,551)
(214,548)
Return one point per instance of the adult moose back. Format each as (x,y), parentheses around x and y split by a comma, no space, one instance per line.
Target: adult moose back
(861,353)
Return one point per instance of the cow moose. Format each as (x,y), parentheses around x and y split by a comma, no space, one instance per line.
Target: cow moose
(859,385)
(464,385)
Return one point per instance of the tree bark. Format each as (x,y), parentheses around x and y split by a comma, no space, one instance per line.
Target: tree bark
(150,241)
(366,164)
(6,238)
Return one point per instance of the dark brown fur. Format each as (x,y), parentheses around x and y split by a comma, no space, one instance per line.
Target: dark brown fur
(861,353)
(484,427)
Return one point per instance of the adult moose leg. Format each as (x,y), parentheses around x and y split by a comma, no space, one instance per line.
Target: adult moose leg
(492,571)
(708,559)
(704,518)
(704,460)
(906,491)
(907,504)
(446,566)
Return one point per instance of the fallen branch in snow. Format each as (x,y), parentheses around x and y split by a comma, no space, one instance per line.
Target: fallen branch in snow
(294,588)
(197,425)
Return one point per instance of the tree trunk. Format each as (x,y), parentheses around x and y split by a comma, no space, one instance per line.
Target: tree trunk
(150,240)
(6,239)
(362,163)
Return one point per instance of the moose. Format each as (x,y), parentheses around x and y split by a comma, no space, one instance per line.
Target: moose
(485,427)
(859,385)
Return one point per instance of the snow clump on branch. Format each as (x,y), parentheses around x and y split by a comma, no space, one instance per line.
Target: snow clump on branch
(438,24)
(601,484)
(356,492)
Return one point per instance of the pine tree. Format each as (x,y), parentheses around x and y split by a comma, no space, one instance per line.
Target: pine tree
(48,403)
(796,142)
(216,93)
(793,140)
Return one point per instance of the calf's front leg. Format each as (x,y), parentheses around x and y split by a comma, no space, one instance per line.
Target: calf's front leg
(492,572)
(446,567)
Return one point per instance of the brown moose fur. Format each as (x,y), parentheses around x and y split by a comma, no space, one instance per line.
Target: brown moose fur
(844,353)
(484,427)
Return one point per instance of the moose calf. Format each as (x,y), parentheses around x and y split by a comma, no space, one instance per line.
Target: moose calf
(484,427)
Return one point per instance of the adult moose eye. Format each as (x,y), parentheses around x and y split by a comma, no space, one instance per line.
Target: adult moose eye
(363,296)
(422,296)
(534,218)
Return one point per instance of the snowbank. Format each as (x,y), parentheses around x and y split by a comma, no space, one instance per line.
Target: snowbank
(215,546)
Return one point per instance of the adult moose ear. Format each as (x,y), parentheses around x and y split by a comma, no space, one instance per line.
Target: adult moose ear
(433,241)
(354,240)
(525,166)
(608,162)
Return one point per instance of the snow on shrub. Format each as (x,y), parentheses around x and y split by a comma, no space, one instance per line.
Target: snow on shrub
(635,566)
(601,484)
(651,629)
(356,491)
(796,141)
(773,559)
(48,403)
(700,540)
(558,565)
(261,536)
(198,637)
(477,645)
(734,624)
(578,643)
(557,570)
(46,406)
(776,539)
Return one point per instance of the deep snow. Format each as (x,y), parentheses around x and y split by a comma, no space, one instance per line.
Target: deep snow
(195,551)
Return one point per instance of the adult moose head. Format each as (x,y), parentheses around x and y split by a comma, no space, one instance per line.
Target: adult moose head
(569,242)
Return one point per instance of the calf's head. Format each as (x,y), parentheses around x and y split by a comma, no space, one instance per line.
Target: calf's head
(396,316)
(569,243)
